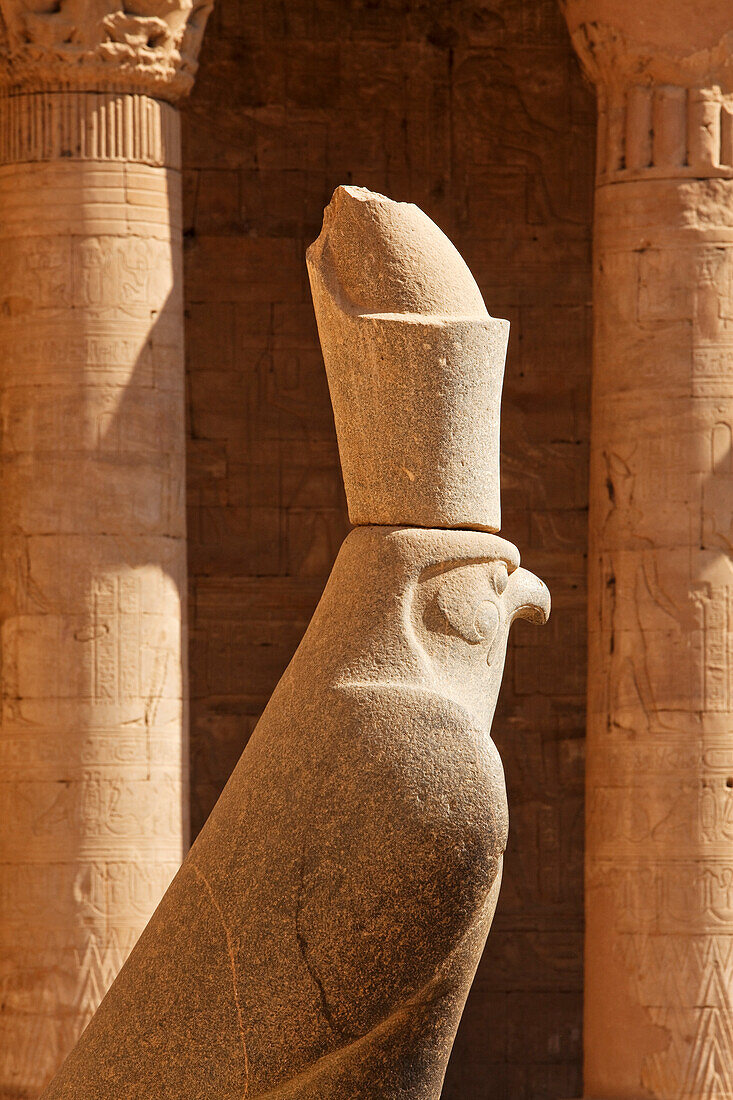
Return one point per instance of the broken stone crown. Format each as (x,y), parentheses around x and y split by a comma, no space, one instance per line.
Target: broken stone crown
(415,366)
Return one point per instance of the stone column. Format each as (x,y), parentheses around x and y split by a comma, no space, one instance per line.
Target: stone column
(93,753)
(659,870)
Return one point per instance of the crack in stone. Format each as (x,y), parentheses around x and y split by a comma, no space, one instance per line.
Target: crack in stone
(302,942)
(354,1046)
(230,953)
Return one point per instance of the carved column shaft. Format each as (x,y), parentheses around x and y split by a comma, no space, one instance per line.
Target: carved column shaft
(93,753)
(659,897)
(660,755)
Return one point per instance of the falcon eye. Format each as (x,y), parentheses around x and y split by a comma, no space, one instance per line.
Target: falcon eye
(487,621)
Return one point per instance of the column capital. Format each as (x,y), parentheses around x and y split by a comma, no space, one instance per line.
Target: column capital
(141,46)
(664,82)
(623,42)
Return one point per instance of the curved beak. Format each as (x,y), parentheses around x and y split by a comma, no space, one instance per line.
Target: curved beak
(527,597)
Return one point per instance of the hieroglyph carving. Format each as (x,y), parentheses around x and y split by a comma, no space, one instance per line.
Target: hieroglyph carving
(142,45)
(660,793)
(93,763)
(659,873)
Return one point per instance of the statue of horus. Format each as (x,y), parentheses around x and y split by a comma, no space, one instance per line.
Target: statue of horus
(320,939)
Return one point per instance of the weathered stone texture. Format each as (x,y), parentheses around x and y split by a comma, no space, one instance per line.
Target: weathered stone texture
(409,346)
(144,46)
(93,746)
(477,113)
(659,908)
(92,568)
(311,948)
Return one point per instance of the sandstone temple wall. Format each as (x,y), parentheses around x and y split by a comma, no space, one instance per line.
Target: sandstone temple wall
(478,113)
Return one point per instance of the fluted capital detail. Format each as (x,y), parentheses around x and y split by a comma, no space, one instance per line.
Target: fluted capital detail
(141,46)
(664,82)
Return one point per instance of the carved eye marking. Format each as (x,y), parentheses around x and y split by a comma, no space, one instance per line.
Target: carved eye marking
(487,621)
(463,602)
